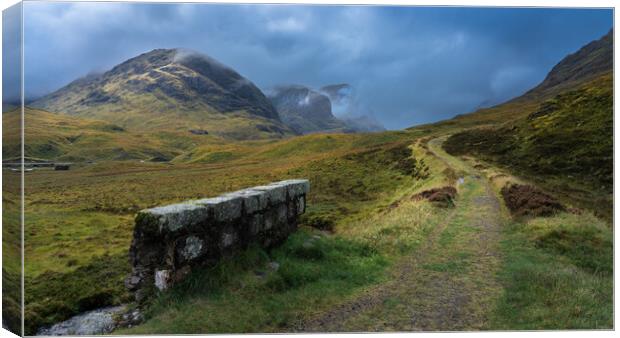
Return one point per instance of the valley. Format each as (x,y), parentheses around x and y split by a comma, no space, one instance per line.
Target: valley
(406,230)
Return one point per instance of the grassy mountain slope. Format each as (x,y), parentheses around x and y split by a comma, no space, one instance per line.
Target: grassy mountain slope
(569,135)
(171,89)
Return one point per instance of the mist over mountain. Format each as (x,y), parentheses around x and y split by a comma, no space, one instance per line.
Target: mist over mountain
(374,48)
(303,109)
(347,107)
(332,108)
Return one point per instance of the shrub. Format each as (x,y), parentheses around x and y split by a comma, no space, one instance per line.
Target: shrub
(443,196)
(527,200)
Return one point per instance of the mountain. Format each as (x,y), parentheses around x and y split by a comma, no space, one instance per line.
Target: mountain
(171,89)
(304,110)
(349,111)
(329,109)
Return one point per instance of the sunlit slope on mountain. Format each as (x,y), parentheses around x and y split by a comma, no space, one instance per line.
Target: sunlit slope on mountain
(567,139)
(171,89)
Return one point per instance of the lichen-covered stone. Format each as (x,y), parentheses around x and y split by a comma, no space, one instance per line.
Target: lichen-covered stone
(253,200)
(295,187)
(176,216)
(225,208)
(162,279)
(275,194)
(193,247)
(301,205)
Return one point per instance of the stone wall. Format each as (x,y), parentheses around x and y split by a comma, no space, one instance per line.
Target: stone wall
(169,241)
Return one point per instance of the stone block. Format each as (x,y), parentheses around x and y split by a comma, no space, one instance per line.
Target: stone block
(256,224)
(173,217)
(225,208)
(192,247)
(275,194)
(294,187)
(301,205)
(162,279)
(253,200)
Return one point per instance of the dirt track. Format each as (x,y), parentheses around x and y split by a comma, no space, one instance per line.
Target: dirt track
(448,284)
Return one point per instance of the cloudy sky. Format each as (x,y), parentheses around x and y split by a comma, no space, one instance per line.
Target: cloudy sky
(409,65)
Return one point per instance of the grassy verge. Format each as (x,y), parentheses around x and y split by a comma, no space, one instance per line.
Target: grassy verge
(557,275)
(557,271)
(243,294)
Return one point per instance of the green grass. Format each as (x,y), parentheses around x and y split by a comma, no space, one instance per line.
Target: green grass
(556,281)
(313,273)
(54,296)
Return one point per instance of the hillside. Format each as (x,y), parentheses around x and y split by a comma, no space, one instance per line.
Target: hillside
(560,133)
(589,62)
(61,137)
(171,89)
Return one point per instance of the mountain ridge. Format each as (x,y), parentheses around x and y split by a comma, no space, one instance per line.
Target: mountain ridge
(166,88)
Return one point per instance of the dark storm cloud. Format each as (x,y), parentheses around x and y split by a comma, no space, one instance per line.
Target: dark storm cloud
(409,65)
(11,55)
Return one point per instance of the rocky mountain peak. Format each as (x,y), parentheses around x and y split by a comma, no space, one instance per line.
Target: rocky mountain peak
(163,81)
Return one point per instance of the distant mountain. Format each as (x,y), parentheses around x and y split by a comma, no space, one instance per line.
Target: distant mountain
(338,93)
(348,110)
(329,109)
(171,89)
(304,110)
